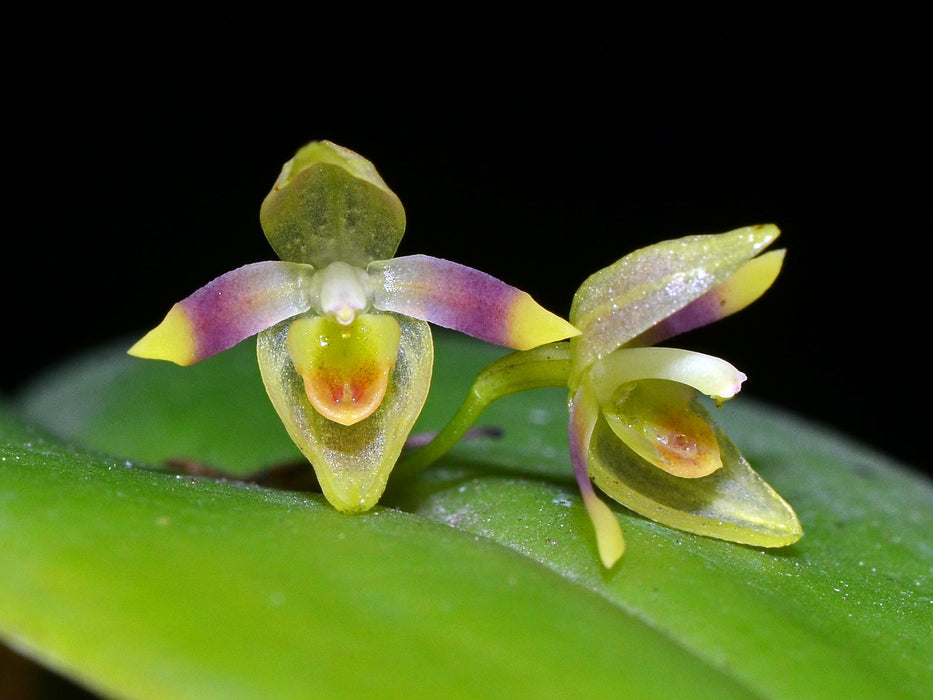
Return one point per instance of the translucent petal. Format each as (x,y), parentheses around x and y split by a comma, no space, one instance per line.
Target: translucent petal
(460,297)
(229,309)
(741,289)
(706,373)
(329,204)
(733,503)
(345,368)
(618,303)
(655,419)
(352,462)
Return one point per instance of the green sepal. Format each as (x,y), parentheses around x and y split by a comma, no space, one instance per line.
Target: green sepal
(733,503)
(352,462)
(329,204)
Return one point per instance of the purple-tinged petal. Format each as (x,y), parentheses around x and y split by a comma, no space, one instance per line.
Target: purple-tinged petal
(459,297)
(622,301)
(745,286)
(236,305)
(584,412)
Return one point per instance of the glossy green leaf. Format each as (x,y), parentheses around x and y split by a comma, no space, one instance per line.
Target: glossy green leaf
(147,585)
(480,578)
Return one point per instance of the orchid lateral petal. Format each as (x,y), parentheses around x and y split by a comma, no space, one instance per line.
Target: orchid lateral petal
(464,299)
(618,303)
(345,368)
(712,376)
(234,306)
(352,462)
(741,289)
(733,503)
(584,413)
(329,204)
(655,419)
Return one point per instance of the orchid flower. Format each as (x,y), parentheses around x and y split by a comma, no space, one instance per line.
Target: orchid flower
(344,347)
(637,428)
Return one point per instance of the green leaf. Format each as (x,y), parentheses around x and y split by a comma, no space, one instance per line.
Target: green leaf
(480,577)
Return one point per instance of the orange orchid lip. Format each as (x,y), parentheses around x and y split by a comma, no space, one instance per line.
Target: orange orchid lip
(653,417)
(345,368)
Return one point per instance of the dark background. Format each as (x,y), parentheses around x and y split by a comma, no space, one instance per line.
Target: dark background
(536,145)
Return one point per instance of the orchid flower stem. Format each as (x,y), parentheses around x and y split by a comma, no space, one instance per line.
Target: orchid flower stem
(545,366)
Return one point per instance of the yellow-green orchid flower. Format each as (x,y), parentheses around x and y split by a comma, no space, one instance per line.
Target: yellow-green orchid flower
(344,347)
(636,426)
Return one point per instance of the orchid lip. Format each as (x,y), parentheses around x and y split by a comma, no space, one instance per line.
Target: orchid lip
(345,368)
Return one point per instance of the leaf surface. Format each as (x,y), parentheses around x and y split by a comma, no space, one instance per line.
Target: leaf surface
(478,577)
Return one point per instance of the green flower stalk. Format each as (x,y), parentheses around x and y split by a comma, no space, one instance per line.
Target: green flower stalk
(344,347)
(637,428)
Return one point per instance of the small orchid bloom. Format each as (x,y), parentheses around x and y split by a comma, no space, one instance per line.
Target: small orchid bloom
(344,347)
(636,426)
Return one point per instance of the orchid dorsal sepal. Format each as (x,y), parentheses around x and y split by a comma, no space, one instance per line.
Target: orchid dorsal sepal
(617,304)
(461,298)
(227,310)
(329,204)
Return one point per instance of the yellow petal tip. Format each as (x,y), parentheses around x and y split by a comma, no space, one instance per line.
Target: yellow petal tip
(609,539)
(171,340)
(531,325)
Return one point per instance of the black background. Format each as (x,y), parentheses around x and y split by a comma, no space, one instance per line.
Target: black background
(538,145)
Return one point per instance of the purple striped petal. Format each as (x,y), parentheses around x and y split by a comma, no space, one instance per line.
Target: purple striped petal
(745,286)
(229,309)
(459,297)
(622,301)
